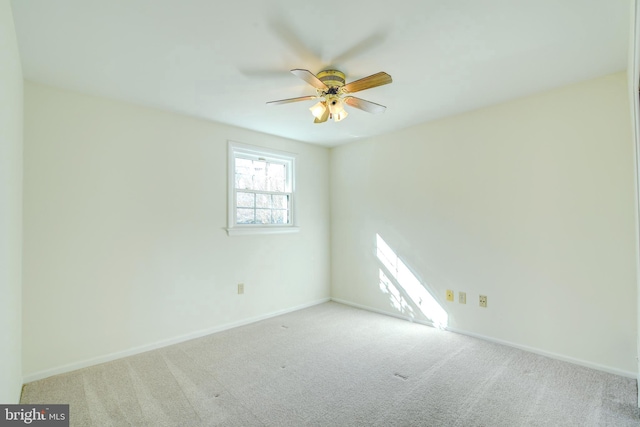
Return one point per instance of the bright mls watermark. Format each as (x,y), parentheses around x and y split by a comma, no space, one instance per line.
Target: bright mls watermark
(34,415)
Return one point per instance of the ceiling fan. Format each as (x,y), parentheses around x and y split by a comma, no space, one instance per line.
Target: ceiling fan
(334,93)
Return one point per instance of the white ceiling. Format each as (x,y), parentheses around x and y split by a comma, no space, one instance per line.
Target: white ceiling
(223,60)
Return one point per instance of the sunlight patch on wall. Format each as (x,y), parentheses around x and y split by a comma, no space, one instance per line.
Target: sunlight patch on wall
(396,298)
(408,284)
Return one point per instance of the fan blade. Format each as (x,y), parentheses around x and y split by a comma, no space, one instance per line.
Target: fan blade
(323,118)
(360,48)
(375,80)
(368,106)
(286,101)
(292,39)
(310,78)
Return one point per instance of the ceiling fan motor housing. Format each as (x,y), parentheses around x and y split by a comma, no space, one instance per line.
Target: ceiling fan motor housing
(334,79)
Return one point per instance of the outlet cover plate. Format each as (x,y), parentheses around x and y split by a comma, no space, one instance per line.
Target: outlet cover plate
(449,295)
(462,297)
(483,301)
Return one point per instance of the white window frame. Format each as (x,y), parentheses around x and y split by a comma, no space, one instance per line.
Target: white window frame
(236,149)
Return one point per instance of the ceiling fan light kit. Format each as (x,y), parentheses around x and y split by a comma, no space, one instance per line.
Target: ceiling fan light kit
(333,93)
(318,109)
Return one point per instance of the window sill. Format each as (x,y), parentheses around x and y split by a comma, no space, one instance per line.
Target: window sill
(246,231)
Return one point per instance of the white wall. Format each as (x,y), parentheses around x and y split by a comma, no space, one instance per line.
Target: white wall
(11,117)
(633,74)
(530,202)
(124,243)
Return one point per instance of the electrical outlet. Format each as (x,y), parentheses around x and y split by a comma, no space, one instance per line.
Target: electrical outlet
(449,295)
(240,288)
(462,297)
(483,301)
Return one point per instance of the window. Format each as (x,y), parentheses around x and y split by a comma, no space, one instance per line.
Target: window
(261,190)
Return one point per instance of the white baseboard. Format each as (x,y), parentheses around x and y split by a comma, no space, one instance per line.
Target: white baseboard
(551,355)
(162,343)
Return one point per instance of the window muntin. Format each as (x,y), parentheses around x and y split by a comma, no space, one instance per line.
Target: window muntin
(262,208)
(261,189)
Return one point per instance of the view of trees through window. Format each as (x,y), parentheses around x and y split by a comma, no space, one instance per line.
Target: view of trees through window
(262,196)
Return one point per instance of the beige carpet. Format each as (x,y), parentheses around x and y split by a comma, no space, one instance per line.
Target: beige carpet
(333,365)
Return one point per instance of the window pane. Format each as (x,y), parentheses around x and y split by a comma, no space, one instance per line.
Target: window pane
(243,165)
(243,181)
(259,175)
(245,216)
(280,202)
(245,200)
(263,216)
(244,173)
(263,200)
(276,177)
(280,217)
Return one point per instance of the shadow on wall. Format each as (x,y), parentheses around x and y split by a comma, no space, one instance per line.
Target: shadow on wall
(405,291)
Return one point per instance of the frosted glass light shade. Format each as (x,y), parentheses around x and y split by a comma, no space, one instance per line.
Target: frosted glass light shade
(341,115)
(318,109)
